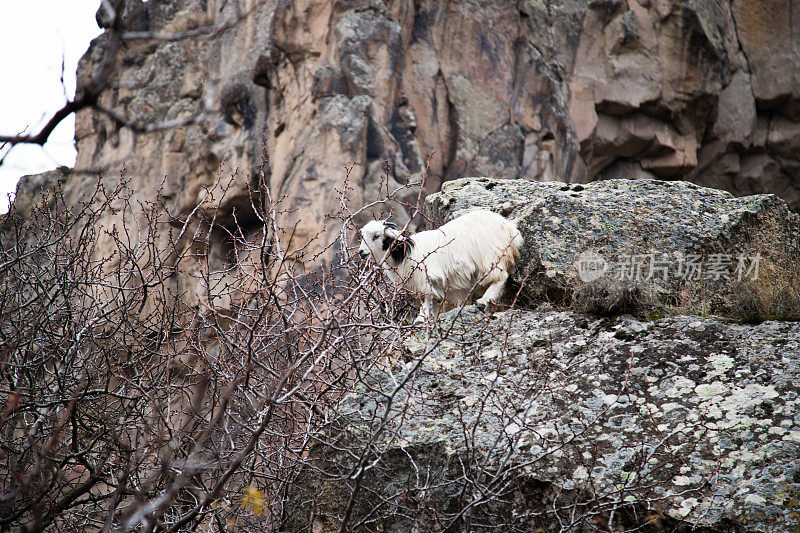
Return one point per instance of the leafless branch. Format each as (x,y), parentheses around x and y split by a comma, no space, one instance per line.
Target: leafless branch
(88,95)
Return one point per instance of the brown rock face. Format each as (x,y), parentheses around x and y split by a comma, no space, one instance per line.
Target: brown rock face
(568,90)
(768,34)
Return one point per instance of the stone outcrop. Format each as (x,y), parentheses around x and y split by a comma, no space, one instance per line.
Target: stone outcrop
(644,246)
(32,189)
(569,90)
(693,422)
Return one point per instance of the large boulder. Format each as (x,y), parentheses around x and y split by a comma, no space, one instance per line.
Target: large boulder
(644,246)
(563,422)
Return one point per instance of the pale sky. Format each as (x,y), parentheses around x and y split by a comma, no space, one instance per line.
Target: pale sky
(34,36)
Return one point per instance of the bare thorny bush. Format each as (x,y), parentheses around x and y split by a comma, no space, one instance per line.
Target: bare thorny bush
(130,404)
(146,385)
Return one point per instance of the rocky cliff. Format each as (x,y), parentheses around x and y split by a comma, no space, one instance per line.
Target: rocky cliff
(567,90)
(531,419)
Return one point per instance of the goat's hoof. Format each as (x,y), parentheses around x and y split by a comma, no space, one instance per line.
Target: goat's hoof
(481,306)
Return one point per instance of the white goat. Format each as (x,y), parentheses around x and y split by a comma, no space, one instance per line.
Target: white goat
(473,251)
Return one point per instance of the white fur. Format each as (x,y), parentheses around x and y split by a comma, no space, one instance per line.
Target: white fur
(475,250)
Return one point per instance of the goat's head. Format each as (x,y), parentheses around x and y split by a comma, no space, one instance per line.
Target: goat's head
(382,240)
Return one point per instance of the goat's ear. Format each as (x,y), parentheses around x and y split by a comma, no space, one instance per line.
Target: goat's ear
(390,225)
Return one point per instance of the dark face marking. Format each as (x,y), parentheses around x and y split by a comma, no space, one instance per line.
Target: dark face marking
(398,247)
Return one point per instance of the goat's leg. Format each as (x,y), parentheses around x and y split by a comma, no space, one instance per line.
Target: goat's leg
(426,310)
(494,291)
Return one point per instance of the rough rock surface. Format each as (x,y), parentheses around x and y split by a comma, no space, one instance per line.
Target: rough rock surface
(568,90)
(32,188)
(644,245)
(693,419)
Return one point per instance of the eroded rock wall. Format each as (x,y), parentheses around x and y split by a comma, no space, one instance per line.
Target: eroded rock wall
(704,90)
(567,90)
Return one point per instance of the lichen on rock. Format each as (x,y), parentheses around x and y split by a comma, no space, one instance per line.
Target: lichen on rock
(692,419)
(644,246)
